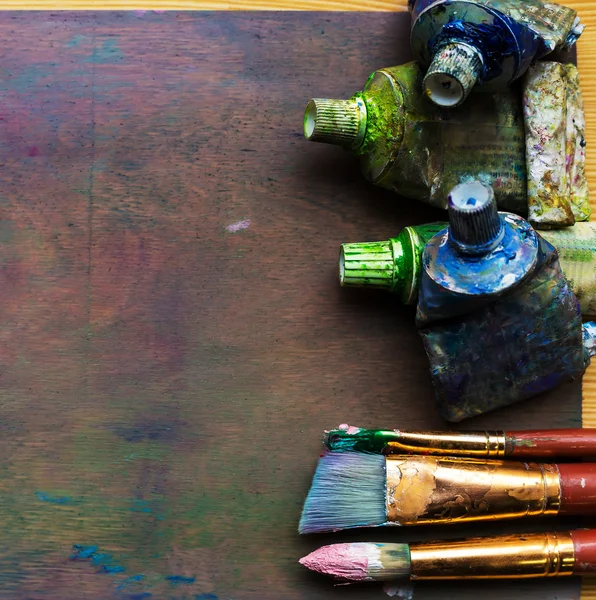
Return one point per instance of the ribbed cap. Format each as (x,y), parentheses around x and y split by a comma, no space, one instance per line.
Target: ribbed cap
(474,223)
(589,331)
(452,74)
(340,122)
(367,264)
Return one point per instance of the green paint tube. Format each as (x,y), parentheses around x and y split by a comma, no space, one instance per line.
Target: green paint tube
(532,153)
(411,146)
(395,265)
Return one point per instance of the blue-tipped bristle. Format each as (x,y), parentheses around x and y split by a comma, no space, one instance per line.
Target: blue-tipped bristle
(348,490)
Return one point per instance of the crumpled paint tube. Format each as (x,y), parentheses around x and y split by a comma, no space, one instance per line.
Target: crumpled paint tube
(491,42)
(410,146)
(555,141)
(413,147)
(497,318)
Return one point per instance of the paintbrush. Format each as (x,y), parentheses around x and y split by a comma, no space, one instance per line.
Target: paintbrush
(501,557)
(352,489)
(570,443)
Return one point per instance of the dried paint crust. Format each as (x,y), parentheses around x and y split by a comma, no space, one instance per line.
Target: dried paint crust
(555,142)
(503,350)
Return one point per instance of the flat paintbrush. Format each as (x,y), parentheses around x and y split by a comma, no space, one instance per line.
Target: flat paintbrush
(502,557)
(570,443)
(353,489)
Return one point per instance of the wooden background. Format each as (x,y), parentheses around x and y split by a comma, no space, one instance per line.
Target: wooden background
(174,339)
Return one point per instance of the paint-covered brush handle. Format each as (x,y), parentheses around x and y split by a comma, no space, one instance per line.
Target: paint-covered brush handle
(534,444)
(572,443)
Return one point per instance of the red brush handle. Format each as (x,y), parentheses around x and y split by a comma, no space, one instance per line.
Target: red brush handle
(584,546)
(578,488)
(574,443)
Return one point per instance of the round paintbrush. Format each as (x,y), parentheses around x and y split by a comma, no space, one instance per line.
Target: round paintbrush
(501,557)
(569,443)
(352,489)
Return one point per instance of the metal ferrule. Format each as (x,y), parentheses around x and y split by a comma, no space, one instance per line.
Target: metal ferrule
(476,444)
(505,557)
(434,490)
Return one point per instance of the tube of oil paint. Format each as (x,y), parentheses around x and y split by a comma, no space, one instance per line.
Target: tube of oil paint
(396,264)
(498,320)
(411,146)
(489,42)
(555,146)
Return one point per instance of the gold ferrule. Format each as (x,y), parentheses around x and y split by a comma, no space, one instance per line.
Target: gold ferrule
(477,444)
(433,489)
(503,557)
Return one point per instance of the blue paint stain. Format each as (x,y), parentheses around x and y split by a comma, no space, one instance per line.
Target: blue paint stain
(126,582)
(53,499)
(77,40)
(105,562)
(176,579)
(206,597)
(139,505)
(139,596)
(82,552)
(107,53)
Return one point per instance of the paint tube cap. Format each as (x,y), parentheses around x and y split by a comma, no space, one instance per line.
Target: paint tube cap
(589,333)
(452,74)
(474,223)
(368,264)
(339,122)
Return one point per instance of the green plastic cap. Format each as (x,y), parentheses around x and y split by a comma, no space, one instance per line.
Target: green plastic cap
(368,264)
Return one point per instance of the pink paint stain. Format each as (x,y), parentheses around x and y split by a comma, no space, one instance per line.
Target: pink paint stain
(33,151)
(238,226)
(342,561)
(349,429)
(140,13)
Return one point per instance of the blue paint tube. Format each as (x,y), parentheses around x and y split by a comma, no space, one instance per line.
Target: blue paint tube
(498,321)
(490,42)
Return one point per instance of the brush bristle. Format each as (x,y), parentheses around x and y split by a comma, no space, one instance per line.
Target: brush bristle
(348,490)
(361,561)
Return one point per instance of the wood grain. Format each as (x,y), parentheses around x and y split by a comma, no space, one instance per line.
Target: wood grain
(173,336)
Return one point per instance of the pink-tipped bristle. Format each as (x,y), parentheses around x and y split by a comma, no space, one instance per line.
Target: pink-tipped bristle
(348,562)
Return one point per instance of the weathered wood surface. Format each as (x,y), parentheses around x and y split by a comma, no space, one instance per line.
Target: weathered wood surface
(165,379)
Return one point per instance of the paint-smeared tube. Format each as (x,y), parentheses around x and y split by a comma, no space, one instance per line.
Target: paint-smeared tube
(488,42)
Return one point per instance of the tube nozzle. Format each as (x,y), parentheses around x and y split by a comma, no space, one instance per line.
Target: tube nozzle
(339,122)
(367,264)
(452,74)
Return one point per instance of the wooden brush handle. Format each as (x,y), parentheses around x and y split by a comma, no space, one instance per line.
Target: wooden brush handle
(584,545)
(578,488)
(574,443)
